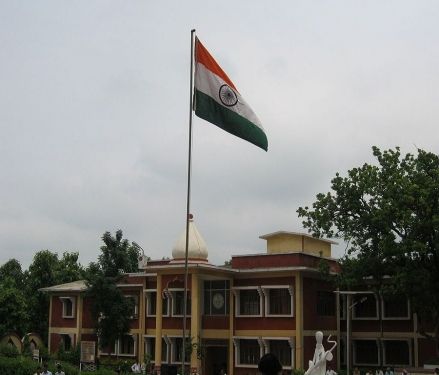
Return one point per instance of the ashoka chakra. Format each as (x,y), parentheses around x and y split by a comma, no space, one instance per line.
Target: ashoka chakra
(227,96)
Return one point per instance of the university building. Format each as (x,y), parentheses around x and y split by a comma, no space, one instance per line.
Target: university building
(268,302)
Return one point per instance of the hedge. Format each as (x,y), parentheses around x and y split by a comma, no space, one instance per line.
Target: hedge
(25,366)
(17,366)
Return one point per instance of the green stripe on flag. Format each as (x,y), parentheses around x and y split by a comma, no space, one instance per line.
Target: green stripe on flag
(209,110)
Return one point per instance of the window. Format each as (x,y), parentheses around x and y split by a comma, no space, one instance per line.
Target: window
(249,302)
(66,342)
(366,307)
(165,351)
(342,350)
(150,348)
(178,303)
(110,349)
(165,307)
(151,303)
(249,352)
(127,345)
(366,352)
(325,303)
(395,307)
(282,350)
(396,352)
(68,307)
(134,306)
(342,306)
(216,297)
(177,347)
(278,301)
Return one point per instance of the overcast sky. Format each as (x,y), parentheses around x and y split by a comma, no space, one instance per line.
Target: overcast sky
(94,115)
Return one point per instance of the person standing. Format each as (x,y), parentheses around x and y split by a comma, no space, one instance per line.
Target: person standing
(45,370)
(135,368)
(59,370)
(269,365)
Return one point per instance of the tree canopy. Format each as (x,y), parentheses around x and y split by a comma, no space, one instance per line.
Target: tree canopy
(23,307)
(111,310)
(388,214)
(13,307)
(47,269)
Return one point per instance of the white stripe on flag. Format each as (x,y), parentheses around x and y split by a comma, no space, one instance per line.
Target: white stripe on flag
(209,83)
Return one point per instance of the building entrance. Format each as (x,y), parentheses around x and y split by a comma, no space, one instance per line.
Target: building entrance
(216,356)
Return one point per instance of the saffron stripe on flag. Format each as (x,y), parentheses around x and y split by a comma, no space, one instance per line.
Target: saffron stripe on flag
(203,56)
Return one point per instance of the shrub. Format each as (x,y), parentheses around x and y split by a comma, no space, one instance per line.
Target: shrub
(73,356)
(8,351)
(44,354)
(115,363)
(297,371)
(101,371)
(25,366)
(68,368)
(17,366)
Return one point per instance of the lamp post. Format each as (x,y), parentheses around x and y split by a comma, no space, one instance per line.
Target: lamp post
(350,306)
(348,329)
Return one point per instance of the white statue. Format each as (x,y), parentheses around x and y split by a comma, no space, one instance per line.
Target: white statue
(318,364)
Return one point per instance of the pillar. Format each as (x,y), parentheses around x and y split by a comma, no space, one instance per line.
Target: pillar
(415,340)
(79,318)
(337,307)
(50,324)
(299,318)
(231,328)
(195,322)
(141,314)
(158,326)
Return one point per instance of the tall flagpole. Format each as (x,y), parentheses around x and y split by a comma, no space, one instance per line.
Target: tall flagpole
(188,207)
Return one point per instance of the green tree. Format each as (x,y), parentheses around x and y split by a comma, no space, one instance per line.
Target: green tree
(110,309)
(388,214)
(12,269)
(13,307)
(47,270)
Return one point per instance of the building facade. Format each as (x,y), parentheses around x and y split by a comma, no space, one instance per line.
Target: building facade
(269,302)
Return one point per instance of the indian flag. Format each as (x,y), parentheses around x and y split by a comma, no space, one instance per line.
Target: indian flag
(218,101)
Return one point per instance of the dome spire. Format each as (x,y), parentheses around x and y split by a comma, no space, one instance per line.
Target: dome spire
(197,248)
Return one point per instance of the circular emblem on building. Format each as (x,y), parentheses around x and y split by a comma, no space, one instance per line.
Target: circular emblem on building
(218,301)
(227,96)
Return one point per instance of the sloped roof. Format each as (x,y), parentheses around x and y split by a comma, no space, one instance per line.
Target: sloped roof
(75,286)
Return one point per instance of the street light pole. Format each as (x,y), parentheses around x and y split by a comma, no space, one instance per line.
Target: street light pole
(349,306)
(348,334)
(348,329)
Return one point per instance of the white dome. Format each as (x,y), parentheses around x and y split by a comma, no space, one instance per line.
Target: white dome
(197,248)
